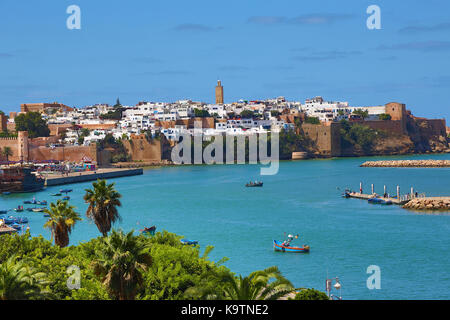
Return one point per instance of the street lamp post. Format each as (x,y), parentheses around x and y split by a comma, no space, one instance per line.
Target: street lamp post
(329,286)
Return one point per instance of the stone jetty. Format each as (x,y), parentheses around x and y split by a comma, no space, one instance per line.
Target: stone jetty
(430,203)
(408,163)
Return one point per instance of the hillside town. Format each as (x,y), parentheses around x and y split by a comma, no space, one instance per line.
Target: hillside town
(75,133)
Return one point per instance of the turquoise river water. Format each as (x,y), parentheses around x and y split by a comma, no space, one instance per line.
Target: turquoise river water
(210,204)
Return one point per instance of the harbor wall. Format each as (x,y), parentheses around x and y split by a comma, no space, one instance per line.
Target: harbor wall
(83,177)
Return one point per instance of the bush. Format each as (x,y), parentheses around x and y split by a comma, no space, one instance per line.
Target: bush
(312,120)
(311,294)
(384,116)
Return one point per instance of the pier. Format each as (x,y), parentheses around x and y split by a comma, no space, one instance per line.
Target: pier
(398,199)
(103,173)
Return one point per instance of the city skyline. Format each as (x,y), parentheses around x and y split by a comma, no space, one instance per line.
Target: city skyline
(169,52)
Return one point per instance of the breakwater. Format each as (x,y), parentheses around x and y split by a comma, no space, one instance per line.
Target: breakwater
(408,163)
(431,203)
(106,173)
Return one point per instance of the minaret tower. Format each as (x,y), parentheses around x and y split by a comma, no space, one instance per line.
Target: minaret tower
(219,93)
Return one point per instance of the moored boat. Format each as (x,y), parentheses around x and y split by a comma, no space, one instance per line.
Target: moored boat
(57,194)
(38,209)
(278,246)
(66,198)
(189,242)
(150,230)
(254,184)
(65,190)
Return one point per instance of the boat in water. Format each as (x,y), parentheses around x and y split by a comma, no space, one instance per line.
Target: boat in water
(254,184)
(65,190)
(3,211)
(150,230)
(38,209)
(18,209)
(379,201)
(57,194)
(19,179)
(189,242)
(66,198)
(42,203)
(286,246)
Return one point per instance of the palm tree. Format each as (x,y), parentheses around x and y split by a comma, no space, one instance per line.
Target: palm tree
(7,152)
(19,282)
(103,201)
(121,262)
(267,284)
(61,222)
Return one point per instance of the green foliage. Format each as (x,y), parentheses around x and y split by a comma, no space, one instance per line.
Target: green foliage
(363,114)
(384,116)
(275,113)
(121,263)
(311,294)
(20,282)
(103,200)
(120,157)
(113,115)
(7,152)
(33,123)
(312,120)
(61,221)
(7,134)
(200,113)
(290,142)
(356,135)
(247,114)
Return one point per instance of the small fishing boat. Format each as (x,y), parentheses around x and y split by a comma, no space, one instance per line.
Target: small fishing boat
(66,198)
(16,226)
(28,202)
(150,230)
(10,220)
(254,184)
(18,209)
(46,215)
(65,190)
(22,220)
(38,209)
(30,209)
(277,246)
(189,242)
(3,211)
(42,203)
(57,194)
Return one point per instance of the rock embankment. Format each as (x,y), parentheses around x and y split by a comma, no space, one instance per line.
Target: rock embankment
(438,203)
(408,163)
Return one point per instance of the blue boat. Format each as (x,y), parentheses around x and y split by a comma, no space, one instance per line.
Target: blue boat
(65,190)
(42,203)
(379,201)
(278,246)
(66,198)
(189,242)
(3,211)
(16,226)
(10,220)
(22,220)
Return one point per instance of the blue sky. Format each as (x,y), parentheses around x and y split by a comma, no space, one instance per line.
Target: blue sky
(169,50)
